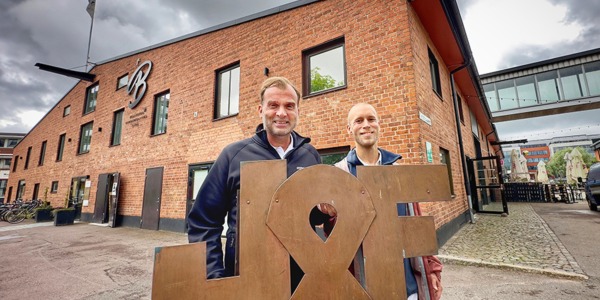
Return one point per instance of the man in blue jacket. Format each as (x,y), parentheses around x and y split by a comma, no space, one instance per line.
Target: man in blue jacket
(275,138)
(363,126)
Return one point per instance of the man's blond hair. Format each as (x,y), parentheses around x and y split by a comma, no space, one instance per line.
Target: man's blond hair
(278,82)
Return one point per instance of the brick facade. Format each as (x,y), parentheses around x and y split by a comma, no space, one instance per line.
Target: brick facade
(387,65)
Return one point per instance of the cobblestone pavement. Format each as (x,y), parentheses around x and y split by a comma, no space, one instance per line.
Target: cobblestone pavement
(521,240)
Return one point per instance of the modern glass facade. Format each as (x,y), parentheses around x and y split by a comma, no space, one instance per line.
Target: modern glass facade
(567,83)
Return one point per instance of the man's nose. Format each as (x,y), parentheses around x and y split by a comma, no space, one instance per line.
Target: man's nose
(281,112)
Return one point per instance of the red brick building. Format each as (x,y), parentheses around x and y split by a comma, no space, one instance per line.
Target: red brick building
(201,93)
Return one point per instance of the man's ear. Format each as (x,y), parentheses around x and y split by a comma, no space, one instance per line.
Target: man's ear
(349,130)
(260,110)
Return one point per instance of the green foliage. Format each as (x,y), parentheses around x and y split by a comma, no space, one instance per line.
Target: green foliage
(320,82)
(557,165)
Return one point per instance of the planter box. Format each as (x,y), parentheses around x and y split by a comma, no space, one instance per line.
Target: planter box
(64,217)
(43,215)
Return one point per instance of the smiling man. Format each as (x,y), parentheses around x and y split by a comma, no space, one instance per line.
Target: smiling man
(363,126)
(217,199)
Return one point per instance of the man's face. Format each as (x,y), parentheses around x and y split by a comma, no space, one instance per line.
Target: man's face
(279,111)
(363,125)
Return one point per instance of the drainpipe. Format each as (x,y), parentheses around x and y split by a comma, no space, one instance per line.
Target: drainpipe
(460,140)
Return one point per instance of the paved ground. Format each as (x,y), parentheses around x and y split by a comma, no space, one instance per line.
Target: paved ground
(522,240)
(83,261)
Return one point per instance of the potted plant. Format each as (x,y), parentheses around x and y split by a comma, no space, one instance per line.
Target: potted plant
(43,214)
(64,216)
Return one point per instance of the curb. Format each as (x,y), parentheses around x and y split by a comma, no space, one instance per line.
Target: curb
(479,262)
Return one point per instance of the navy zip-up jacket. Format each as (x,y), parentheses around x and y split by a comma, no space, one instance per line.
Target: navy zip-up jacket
(218,194)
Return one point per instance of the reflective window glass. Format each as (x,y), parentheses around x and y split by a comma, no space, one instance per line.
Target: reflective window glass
(592,74)
(572,82)
(228,93)
(490,96)
(548,86)
(507,94)
(526,91)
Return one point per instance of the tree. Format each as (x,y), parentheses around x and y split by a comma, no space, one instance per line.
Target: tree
(320,82)
(556,165)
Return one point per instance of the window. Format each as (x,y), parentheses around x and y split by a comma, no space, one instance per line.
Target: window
(12,143)
(117,127)
(61,147)
(42,154)
(227,101)
(490,96)
(474,127)
(324,67)
(36,190)
(21,189)
(548,85)
(15,164)
(460,109)
(445,159)
(592,74)
(333,155)
(161,113)
(90,99)
(27,158)
(67,111)
(2,189)
(9,194)
(122,81)
(54,187)
(573,82)
(507,94)
(4,163)
(526,91)
(85,138)
(435,73)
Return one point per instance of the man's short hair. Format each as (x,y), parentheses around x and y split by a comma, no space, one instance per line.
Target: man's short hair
(279,82)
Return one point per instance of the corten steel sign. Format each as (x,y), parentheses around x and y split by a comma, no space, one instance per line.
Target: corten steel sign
(273,224)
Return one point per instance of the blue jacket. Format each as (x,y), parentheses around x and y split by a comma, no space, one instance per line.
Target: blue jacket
(218,194)
(387,158)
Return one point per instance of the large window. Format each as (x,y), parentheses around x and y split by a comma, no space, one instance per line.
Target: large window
(5,163)
(85,138)
(434,69)
(445,159)
(507,94)
(2,189)
(227,101)
(548,85)
(27,158)
(592,74)
(161,113)
(15,163)
(573,83)
(324,67)
(90,99)
(21,189)
(42,154)
(54,188)
(526,91)
(117,127)
(61,147)
(36,191)
(460,109)
(333,155)
(490,96)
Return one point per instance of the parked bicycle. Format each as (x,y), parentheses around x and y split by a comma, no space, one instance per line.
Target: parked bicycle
(20,211)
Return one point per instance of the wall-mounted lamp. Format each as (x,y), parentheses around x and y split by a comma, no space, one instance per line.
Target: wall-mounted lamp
(99,129)
(69,140)
(266,72)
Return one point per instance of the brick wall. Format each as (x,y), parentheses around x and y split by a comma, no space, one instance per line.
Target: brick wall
(387,65)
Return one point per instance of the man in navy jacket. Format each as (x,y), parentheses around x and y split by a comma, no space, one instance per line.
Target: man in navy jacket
(275,138)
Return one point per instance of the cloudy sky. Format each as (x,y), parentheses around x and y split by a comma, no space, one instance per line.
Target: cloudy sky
(502,34)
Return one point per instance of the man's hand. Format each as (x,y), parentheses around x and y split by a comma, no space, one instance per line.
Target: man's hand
(327,209)
(436,285)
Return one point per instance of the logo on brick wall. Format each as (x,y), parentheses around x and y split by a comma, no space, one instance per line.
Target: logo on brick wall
(138,84)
